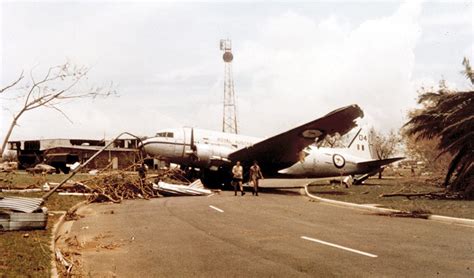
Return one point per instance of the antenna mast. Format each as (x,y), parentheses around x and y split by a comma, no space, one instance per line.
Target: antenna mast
(229,119)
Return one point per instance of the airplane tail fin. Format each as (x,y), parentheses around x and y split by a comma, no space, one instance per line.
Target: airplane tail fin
(360,145)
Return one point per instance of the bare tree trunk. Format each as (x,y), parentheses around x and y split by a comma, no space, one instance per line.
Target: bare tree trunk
(380,173)
(10,130)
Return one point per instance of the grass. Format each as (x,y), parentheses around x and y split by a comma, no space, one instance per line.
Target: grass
(31,256)
(370,192)
(26,256)
(21,179)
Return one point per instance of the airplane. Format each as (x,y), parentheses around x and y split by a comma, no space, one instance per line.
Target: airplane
(214,153)
(357,161)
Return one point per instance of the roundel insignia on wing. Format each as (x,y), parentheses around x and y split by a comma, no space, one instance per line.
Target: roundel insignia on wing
(338,160)
(311,133)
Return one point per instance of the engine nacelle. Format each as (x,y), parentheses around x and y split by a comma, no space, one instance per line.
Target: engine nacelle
(209,155)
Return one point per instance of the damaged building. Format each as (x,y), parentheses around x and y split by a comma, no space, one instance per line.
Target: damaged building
(60,153)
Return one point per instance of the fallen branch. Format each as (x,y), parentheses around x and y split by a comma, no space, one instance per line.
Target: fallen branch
(411,214)
(439,195)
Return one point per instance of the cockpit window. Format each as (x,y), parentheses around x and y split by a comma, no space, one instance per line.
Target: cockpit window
(165,134)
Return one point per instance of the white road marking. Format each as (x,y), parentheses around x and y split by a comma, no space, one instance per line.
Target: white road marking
(339,246)
(218,209)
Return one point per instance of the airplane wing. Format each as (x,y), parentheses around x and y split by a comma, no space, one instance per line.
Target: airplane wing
(373,164)
(284,150)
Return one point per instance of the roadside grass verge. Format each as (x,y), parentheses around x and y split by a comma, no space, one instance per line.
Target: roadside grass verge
(22,179)
(28,253)
(369,193)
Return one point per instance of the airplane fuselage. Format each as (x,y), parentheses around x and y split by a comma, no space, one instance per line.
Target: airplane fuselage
(326,162)
(212,149)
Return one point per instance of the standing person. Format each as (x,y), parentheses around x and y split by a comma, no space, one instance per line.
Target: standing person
(238,176)
(255,175)
(142,172)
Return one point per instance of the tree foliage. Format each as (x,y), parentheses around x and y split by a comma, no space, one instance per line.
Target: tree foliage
(333,141)
(383,145)
(448,116)
(426,151)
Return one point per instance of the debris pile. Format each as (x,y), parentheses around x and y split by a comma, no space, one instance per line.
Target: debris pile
(120,185)
(17,213)
(114,187)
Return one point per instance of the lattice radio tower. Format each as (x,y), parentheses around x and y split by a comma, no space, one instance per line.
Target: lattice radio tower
(229,119)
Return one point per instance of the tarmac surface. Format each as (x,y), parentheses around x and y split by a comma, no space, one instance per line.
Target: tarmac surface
(272,235)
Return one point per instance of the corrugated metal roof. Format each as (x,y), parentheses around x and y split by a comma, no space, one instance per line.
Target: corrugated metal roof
(21,204)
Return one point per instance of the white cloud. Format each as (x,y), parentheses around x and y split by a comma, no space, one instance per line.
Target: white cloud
(324,65)
(290,65)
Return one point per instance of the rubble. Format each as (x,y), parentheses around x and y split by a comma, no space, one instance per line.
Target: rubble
(117,186)
(8,166)
(41,169)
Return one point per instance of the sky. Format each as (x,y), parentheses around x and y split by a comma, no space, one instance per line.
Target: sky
(293,61)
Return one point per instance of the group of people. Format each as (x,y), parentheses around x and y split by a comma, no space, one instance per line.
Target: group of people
(238,177)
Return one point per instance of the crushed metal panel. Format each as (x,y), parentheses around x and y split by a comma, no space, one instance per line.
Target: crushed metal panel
(197,184)
(176,189)
(21,204)
(13,221)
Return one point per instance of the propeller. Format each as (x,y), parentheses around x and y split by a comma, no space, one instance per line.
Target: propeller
(193,146)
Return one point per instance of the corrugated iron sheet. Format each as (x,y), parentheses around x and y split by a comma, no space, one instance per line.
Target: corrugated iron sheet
(176,189)
(13,221)
(21,204)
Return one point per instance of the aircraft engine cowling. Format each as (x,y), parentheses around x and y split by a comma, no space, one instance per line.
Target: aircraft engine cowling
(209,155)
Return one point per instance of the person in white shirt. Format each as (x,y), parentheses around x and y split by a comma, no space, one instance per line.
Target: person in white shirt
(237,177)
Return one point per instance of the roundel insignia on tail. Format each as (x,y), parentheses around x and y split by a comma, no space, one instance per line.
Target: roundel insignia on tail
(338,160)
(311,133)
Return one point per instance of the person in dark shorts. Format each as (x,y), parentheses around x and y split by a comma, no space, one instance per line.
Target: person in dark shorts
(237,177)
(255,175)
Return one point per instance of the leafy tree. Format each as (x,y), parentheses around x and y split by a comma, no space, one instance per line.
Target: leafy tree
(449,117)
(426,151)
(57,85)
(333,141)
(383,145)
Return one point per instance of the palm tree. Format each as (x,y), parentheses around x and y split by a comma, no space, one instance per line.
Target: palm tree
(449,116)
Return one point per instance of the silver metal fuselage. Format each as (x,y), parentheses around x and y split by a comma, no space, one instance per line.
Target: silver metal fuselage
(326,162)
(174,145)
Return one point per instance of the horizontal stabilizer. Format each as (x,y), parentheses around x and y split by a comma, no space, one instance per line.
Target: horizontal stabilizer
(379,162)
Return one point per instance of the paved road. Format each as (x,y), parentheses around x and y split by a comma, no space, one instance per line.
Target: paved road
(270,235)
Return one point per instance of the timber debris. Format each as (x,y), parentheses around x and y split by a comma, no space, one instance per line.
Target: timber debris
(117,186)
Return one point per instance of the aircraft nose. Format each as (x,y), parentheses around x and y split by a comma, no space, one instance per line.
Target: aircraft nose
(142,145)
